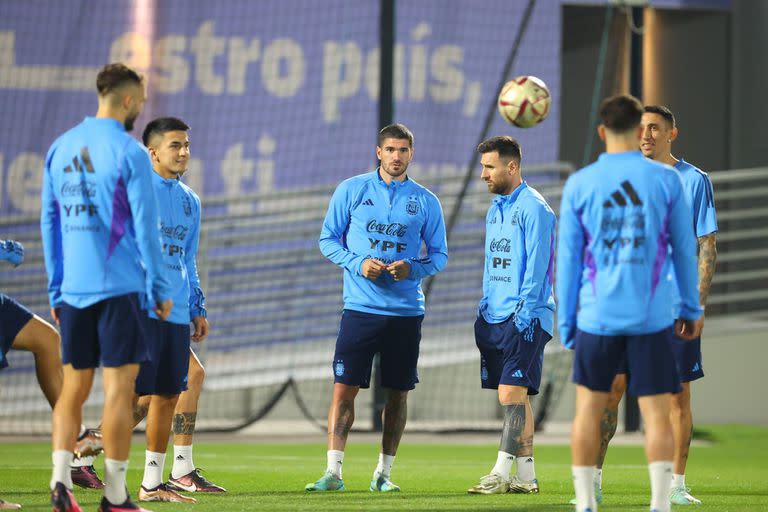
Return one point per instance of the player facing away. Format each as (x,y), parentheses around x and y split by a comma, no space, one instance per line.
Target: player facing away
(164,377)
(374,229)
(619,218)
(659,131)
(101,239)
(20,329)
(516,314)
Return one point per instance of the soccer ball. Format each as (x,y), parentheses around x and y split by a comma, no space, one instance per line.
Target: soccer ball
(524,101)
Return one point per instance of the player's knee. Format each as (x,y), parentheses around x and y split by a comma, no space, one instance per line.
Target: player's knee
(618,388)
(681,402)
(512,394)
(38,337)
(196,377)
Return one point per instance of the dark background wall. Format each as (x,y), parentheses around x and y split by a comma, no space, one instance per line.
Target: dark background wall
(709,66)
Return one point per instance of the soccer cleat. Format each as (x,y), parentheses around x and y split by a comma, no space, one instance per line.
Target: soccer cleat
(327,482)
(86,477)
(682,496)
(517,486)
(7,505)
(490,484)
(382,483)
(163,493)
(62,499)
(598,495)
(127,506)
(193,482)
(89,444)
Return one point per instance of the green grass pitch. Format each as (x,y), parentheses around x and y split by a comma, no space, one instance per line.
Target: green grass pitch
(730,474)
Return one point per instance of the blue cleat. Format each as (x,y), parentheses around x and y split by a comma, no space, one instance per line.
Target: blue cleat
(383,484)
(327,482)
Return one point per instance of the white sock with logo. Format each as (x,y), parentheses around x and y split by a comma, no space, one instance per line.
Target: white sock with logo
(525,469)
(335,460)
(661,481)
(81,462)
(503,465)
(678,480)
(384,467)
(114,481)
(153,469)
(584,485)
(182,461)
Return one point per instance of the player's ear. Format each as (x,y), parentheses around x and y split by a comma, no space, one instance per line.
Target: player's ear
(513,166)
(601,132)
(378,152)
(673,134)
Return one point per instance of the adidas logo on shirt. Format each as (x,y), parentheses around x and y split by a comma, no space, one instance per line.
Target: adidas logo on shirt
(368,202)
(620,200)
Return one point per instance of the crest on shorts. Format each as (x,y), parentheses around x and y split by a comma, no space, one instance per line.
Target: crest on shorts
(412,206)
(338,368)
(483,373)
(187,205)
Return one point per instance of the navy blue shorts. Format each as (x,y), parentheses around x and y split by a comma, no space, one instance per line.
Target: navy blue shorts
(651,368)
(687,356)
(13,318)
(363,335)
(110,332)
(166,372)
(510,357)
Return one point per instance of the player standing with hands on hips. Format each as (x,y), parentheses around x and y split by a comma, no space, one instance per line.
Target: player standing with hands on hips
(374,229)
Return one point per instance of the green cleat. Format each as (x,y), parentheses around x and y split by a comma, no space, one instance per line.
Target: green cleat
(598,496)
(383,484)
(327,482)
(682,496)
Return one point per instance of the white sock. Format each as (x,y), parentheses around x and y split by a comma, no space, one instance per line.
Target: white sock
(335,460)
(584,485)
(525,469)
(503,465)
(114,481)
(80,462)
(153,469)
(61,468)
(384,467)
(678,480)
(599,478)
(661,481)
(182,461)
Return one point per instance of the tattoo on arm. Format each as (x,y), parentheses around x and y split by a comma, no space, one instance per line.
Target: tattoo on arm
(345,416)
(512,431)
(139,413)
(395,416)
(707,258)
(608,425)
(184,423)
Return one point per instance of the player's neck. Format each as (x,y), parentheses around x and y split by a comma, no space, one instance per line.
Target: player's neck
(668,159)
(165,174)
(105,111)
(620,143)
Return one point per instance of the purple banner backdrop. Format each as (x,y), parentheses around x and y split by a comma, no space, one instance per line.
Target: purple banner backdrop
(279,94)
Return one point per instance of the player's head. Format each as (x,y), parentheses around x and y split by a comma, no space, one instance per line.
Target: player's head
(620,117)
(168,143)
(121,90)
(500,158)
(659,130)
(395,149)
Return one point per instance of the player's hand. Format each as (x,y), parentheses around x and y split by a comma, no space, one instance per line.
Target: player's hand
(399,270)
(689,329)
(163,309)
(55,315)
(13,252)
(372,269)
(201,329)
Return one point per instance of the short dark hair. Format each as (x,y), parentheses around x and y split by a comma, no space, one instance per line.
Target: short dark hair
(504,145)
(114,75)
(621,113)
(162,125)
(395,131)
(663,111)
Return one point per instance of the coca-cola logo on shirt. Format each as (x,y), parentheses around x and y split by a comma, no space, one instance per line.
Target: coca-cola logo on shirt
(78,189)
(501,245)
(393,229)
